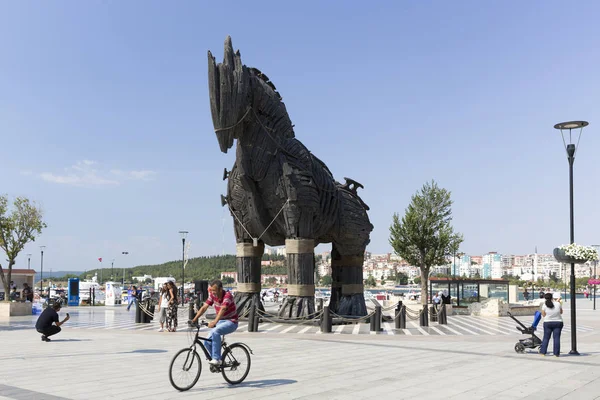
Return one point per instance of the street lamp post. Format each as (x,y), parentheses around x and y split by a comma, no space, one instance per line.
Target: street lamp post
(112,269)
(42,272)
(565,281)
(28,261)
(597,247)
(571,148)
(183,236)
(123,281)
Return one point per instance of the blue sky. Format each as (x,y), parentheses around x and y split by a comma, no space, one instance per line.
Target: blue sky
(105,119)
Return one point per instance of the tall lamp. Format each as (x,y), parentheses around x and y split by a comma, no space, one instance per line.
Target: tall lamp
(571,149)
(597,247)
(42,272)
(183,236)
(123,282)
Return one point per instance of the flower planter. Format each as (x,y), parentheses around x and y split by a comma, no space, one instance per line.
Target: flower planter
(561,257)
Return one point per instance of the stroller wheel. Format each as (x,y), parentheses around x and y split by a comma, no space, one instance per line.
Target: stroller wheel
(519,348)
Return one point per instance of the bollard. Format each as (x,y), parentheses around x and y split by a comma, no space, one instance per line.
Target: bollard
(251,314)
(403,318)
(192,311)
(433,316)
(138,313)
(377,318)
(423,317)
(326,320)
(400,318)
(256,321)
(320,305)
(444,316)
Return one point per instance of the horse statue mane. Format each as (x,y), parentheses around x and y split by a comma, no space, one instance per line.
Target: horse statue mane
(279,193)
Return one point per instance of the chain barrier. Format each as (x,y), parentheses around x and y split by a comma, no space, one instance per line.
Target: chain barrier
(299,320)
(309,316)
(396,316)
(413,315)
(145,310)
(393,306)
(245,313)
(353,320)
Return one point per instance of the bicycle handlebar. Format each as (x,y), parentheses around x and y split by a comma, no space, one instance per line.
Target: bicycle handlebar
(196,324)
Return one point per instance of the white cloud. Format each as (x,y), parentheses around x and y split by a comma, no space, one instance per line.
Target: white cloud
(86,173)
(143,175)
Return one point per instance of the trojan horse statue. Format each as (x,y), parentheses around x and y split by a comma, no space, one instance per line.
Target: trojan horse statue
(281,194)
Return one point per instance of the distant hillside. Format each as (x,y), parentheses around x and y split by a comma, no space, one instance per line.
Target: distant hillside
(196,269)
(57,274)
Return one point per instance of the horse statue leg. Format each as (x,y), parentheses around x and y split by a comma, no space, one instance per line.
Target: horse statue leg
(300,301)
(248,260)
(347,289)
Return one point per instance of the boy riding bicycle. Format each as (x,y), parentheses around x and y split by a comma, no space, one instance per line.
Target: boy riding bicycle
(224,323)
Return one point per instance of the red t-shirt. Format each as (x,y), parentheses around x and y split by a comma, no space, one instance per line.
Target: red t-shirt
(231,312)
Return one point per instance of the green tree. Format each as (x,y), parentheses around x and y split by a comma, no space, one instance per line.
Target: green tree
(17,229)
(402,278)
(326,280)
(382,281)
(425,235)
(228,280)
(272,280)
(371,281)
(417,280)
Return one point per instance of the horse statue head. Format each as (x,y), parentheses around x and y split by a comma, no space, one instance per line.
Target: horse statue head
(242,98)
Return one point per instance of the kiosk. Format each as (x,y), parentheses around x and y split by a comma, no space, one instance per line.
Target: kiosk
(113,294)
(73,292)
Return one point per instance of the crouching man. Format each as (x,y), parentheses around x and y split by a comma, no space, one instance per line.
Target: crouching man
(224,323)
(49,316)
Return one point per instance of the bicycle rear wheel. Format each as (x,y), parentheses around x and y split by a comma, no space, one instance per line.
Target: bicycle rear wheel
(236,364)
(185,369)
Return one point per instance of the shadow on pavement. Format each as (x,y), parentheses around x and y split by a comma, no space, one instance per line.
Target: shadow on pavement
(264,384)
(143,351)
(267,383)
(70,340)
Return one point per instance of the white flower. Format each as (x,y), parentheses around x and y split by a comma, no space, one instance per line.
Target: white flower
(580,252)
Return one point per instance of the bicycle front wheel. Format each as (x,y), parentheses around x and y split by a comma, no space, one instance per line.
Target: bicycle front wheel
(185,369)
(236,364)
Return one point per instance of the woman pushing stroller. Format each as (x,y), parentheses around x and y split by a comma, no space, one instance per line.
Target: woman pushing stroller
(553,324)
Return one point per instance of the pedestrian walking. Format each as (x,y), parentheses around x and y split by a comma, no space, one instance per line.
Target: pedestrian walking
(163,302)
(171,307)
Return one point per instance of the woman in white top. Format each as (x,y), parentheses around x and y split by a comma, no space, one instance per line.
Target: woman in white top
(553,324)
(162,306)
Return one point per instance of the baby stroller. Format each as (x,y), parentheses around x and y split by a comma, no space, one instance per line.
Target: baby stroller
(531,342)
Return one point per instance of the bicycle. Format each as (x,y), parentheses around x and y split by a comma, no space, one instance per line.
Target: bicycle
(235,359)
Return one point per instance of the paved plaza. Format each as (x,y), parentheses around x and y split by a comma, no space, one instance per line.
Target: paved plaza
(103,354)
